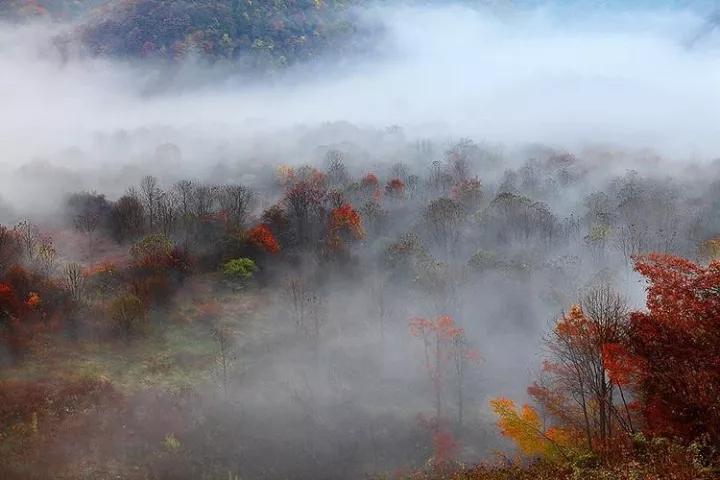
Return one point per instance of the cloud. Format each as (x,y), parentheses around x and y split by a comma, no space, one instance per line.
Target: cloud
(528,75)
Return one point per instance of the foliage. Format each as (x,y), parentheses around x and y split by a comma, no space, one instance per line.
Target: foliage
(152,249)
(261,34)
(262,237)
(395,188)
(239,269)
(469,194)
(673,348)
(526,429)
(345,222)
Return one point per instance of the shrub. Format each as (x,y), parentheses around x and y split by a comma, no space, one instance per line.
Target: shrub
(239,269)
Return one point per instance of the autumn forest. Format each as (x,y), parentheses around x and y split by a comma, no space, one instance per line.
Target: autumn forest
(233,246)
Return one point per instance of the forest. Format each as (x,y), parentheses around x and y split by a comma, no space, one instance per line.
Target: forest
(191,325)
(477,241)
(253,36)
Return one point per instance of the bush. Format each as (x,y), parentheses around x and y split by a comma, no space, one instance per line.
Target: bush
(239,269)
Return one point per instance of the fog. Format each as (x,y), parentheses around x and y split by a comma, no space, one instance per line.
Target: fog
(552,75)
(599,92)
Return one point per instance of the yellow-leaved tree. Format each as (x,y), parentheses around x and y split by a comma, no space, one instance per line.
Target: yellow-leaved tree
(524,427)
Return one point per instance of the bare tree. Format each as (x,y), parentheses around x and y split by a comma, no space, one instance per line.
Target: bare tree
(381,303)
(74,280)
(576,347)
(337,174)
(306,305)
(166,214)
(182,195)
(29,237)
(235,202)
(87,223)
(226,354)
(150,196)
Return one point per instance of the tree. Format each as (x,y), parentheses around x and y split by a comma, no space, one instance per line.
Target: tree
(579,390)
(235,201)
(152,251)
(226,353)
(672,348)
(128,313)
(10,250)
(438,337)
(460,158)
(395,189)
(369,188)
(127,218)
(306,305)
(74,279)
(303,203)
(469,194)
(46,255)
(381,301)
(515,217)
(88,212)
(374,217)
(239,269)
(337,174)
(28,236)
(345,225)
(182,194)
(443,219)
(262,237)
(525,428)
(87,223)
(166,214)
(150,194)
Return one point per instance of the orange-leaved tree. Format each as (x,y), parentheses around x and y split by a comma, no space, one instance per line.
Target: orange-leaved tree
(262,237)
(578,390)
(444,344)
(526,429)
(345,224)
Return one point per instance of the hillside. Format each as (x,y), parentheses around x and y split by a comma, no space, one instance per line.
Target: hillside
(268,34)
(263,35)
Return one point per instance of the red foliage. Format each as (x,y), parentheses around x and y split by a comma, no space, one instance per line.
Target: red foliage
(623,367)
(262,237)
(370,180)
(344,221)
(676,343)
(17,325)
(106,267)
(30,303)
(445,447)
(395,188)
(468,192)
(371,186)
(9,304)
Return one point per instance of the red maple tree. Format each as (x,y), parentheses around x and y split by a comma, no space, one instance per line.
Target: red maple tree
(672,349)
(345,222)
(262,237)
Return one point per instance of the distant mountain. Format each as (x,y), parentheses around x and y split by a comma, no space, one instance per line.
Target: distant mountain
(265,33)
